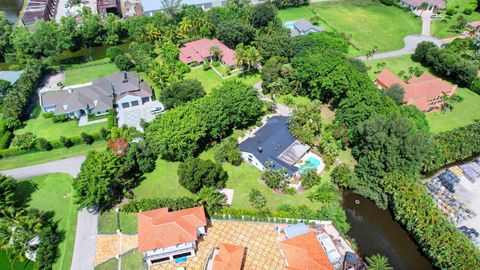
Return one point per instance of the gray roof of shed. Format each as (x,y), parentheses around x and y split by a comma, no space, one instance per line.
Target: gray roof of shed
(10,76)
(302,26)
(275,140)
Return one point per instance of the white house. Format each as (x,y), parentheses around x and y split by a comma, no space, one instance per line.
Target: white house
(123,89)
(170,236)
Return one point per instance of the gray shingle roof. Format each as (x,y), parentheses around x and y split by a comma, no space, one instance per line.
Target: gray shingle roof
(10,76)
(302,27)
(270,143)
(98,96)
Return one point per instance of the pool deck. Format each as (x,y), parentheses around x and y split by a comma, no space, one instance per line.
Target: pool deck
(308,155)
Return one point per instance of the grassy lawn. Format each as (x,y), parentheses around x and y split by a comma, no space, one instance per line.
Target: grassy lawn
(369,23)
(210,79)
(47,156)
(46,128)
(293,14)
(394,64)
(464,113)
(47,193)
(132,260)
(110,265)
(6,265)
(84,73)
(441,27)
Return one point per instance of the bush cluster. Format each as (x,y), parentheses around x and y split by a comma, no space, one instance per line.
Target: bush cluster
(154,203)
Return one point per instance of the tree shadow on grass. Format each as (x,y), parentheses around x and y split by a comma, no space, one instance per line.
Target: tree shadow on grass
(23,193)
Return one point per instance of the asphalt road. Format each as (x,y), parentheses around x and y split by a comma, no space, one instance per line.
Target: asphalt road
(87,222)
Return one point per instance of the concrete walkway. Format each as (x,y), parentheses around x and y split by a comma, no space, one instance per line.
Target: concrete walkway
(87,222)
(410,42)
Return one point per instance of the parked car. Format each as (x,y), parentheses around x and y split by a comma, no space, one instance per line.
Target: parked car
(157,110)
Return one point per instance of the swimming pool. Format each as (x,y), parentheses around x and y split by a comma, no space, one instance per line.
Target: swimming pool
(311,163)
(289,25)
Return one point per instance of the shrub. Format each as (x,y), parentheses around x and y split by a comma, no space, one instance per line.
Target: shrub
(325,193)
(24,141)
(5,139)
(87,138)
(451,11)
(113,52)
(388,2)
(206,66)
(48,115)
(475,85)
(289,190)
(41,144)
(153,203)
(104,133)
(276,179)
(112,119)
(310,179)
(227,151)
(60,118)
(123,62)
(196,173)
(344,176)
(467,11)
(66,142)
(257,199)
(216,64)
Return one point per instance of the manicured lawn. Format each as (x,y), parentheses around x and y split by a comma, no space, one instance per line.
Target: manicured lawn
(463,113)
(89,71)
(394,64)
(54,193)
(369,23)
(46,128)
(47,156)
(6,265)
(441,27)
(210,79)
(107,222)
(133,260)
(110,265)
(293,14)
(299,101)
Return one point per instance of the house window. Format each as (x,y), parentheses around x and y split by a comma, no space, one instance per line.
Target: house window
(125,105)
(160,260)
(145,100)
(135,103)
(181,255)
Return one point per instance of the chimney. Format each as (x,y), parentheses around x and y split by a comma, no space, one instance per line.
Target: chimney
(125,77)
(259,149)
(113,87)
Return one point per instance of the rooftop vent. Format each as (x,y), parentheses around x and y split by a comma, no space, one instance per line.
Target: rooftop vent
(70,90)
(113,86)
(259,149)
(125,77)
(65,106)
(95,102)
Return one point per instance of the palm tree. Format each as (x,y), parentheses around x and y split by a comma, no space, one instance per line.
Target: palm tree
(378,262)
(215,52)
(253,57)
(241,56)
(450,101)
(211,199)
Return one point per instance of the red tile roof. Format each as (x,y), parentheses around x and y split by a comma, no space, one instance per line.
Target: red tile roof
(304,252)
(419,91)
(160,228)
(198,50)
(229,257)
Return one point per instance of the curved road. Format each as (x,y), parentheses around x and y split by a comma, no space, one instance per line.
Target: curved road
(87,222)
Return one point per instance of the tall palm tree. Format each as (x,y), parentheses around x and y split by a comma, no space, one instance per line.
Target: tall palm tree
(211,199)
(253,57)
(378,262)
(215,52)
(241,56)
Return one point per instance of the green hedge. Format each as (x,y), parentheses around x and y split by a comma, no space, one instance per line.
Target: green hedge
(452,146)
(154,203)
(56,144)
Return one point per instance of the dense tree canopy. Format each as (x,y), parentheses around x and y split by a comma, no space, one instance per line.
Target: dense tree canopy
(181,92)
(234,32)
(195,173)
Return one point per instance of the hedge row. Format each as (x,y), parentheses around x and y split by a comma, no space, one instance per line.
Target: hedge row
(154,203)
(55,144)
(455,145)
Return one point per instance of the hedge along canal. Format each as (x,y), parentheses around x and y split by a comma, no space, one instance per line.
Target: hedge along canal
(376,231)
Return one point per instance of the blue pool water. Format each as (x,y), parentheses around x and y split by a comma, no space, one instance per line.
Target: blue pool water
(310,164)
(289,25)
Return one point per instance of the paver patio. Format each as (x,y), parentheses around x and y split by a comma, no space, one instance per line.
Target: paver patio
(258,238)
(109,246)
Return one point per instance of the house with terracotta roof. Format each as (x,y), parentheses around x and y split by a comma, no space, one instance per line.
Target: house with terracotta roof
(425,92)
(200,50)
(170,236)
(226,257)
(304,252)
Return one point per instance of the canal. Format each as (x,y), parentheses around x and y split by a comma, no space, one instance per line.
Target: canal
(11,8)
(376,231)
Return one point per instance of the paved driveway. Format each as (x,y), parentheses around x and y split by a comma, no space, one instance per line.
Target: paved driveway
(410,42)
(87,222)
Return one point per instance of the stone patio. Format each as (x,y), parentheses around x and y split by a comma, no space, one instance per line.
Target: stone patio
(111,245)
(258,238)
